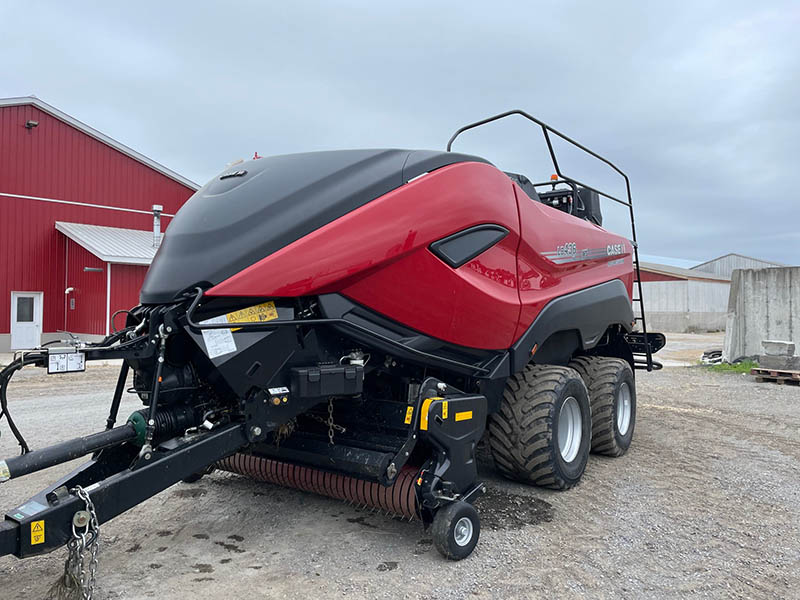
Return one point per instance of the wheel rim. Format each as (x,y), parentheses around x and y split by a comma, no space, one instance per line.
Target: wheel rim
(570,429)
(463,531)
(623,408)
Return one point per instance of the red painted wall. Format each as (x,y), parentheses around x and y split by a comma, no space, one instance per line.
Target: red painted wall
(89,292)
(126,281)
(649,276)
(55,160)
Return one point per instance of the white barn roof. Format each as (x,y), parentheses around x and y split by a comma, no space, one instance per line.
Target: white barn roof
(112,244)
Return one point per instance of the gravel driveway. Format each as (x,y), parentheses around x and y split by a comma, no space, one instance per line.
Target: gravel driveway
(706,503)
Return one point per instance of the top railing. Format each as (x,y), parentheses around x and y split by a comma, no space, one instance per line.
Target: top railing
(547,130)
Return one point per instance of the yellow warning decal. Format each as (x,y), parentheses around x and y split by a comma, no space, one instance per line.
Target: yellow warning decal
(254,314)
(464,415)
(444,409)
(423,415)
(409,414)
(37,532)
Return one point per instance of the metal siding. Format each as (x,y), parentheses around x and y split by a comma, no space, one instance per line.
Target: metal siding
(126,281)
(725,265)
(55,160)
(649,276)
(708,297)
(89,292)
(665,296)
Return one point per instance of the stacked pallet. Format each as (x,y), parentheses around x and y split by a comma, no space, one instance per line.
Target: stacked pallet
(780,377)
(778,364)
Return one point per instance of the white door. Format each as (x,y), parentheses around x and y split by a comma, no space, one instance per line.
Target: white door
(26,320)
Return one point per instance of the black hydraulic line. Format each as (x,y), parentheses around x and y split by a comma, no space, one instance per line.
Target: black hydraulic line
(123,377)
(256,325)
(151,419)
(56,454)
(5,377)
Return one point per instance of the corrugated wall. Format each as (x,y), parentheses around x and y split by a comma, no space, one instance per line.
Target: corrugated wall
(86,304)
(55,160)
(682,306)
(725,265)
(126,281)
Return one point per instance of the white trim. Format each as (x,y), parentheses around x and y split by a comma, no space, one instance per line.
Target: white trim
(86,204)
(66,281)
(108,298)
(101,137)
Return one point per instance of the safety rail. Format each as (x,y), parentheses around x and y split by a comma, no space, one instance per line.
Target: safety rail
(547,130)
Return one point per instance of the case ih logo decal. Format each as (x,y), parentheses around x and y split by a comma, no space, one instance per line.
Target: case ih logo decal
(569,252)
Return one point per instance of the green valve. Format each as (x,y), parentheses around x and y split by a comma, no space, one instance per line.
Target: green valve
(140,425)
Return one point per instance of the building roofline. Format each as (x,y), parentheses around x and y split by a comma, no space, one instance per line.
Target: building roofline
(99,136)
(769,262)
(123,259)
(682,273)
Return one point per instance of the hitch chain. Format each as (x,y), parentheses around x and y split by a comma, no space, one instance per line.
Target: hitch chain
(329,422)
(79,577)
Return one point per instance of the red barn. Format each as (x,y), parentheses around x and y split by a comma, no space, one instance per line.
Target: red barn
(76,224)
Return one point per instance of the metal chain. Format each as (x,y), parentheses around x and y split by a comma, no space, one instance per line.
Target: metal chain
(329,422)
(79,578)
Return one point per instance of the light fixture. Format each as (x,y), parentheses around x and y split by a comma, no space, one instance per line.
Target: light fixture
(31,124)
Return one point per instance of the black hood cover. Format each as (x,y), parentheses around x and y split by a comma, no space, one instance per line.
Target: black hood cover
(257,207)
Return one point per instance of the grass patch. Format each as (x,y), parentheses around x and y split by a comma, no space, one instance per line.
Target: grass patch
(741,367)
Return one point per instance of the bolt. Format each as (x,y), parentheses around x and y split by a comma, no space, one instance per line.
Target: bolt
(256,431)
(169,329)
(161,359)
(80,519)
(414,436)
(151,422)
(147,456)
(441,387)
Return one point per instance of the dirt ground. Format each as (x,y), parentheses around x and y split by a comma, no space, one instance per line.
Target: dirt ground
(705,504)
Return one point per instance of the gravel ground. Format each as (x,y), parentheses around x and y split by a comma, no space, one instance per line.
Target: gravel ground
(706,503)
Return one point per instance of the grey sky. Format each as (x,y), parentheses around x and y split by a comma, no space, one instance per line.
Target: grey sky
(697,101)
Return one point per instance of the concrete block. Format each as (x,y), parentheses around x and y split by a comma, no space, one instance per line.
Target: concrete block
(778,348)
(779,363)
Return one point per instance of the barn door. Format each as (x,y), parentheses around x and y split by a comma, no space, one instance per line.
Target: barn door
(26,320)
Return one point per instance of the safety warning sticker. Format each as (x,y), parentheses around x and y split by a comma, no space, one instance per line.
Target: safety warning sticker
(254,314)
(37,532)
(409,414)
(5,474)
(218,341)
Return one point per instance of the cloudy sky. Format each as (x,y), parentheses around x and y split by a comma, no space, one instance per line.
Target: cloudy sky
(699,102)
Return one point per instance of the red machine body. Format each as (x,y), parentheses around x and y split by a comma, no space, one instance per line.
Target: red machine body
(379,256)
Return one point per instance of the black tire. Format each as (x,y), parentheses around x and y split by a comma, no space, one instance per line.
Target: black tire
(606,380)
(451,524)
(523,434)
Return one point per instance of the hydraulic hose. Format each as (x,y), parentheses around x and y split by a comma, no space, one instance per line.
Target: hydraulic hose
(38,460)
